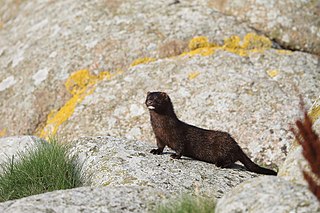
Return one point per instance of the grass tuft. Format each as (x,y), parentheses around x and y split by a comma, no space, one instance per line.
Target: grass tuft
(188,205)
(45,168)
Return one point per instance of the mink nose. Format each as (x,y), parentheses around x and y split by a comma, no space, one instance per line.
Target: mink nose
(148,102)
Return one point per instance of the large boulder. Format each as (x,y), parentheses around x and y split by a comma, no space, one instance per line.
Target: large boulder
(89,199)
(122,176)
(109,161)
(254,97)
(268,194)
(43,42)
(294,24)
(292,167)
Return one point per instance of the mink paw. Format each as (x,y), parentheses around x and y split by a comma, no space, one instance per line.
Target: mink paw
(156,151)
(175,156)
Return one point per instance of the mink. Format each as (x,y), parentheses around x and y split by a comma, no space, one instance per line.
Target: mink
(211,146)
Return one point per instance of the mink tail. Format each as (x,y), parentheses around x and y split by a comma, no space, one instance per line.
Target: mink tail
(251,166)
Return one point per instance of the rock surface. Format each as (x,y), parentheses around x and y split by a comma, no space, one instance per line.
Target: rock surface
(268,194)
(111,162)
(122,176)
(88,200)
(230,93)
(70,67)
(294,24)
(292,167)
(10,146)
(43,42)
(253,97)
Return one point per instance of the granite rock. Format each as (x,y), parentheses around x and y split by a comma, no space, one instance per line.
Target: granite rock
(11,146)
(43,42)
(229,93)
(109,161)
(89,199)
(294,24)
(268,194)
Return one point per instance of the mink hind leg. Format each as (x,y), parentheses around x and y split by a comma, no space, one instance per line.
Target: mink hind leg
(224,163)
(175,156)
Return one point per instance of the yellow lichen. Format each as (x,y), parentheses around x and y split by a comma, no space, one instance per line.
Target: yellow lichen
(252,41)
(193,75)
(204,51)
(232,43)
(284,52)
(142,61)
(272,73)
(199,42)
(3,132)
(79,84)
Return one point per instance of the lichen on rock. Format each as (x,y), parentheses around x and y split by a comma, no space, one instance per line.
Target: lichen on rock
(80,84)
(142,61)
(251,43)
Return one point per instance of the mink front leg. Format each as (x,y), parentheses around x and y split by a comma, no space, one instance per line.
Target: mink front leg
(178,153)
(160,146)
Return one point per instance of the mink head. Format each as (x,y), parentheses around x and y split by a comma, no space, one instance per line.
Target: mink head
(159,102)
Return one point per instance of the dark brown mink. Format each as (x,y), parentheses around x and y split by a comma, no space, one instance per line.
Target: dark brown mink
(206,145)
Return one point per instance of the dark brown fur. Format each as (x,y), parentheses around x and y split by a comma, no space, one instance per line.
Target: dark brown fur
(206,145)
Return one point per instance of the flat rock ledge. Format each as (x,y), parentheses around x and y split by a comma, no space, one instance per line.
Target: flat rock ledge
(88,200)
(122,176)
(109,161)
(268,194)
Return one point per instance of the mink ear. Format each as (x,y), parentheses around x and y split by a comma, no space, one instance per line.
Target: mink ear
(148,93)
(164,95)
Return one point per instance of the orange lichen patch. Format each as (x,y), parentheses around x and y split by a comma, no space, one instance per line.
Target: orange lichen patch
(142,61)
(3,132)
(272,73)
(232,43)
(204,51)
(193,75)
(250,43)
(199,42)
(79,84)
(253,41)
